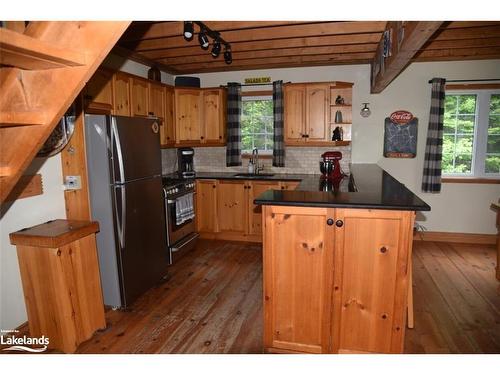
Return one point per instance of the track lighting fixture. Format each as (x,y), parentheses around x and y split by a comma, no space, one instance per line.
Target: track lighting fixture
(203,39)
(188,30)
(216,49)
(228,58)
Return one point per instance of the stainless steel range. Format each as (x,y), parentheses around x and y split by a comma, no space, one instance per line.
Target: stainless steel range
(179,197)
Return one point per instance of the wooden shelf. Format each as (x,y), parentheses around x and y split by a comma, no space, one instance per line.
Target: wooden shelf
(28,53)
(319,144)
(341,105)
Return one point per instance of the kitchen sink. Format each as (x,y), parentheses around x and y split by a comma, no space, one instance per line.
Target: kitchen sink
(253,175)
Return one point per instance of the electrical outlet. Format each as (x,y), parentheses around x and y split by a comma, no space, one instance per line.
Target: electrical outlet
(73,183)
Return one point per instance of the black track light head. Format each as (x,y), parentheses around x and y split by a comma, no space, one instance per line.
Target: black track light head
(188,30)
(228,58)
(216,49)
(203,39)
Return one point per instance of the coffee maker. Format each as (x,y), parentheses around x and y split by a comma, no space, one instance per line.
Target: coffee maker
(185,162)
(330,166)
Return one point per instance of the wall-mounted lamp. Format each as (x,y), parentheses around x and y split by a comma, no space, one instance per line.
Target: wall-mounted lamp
(365,111)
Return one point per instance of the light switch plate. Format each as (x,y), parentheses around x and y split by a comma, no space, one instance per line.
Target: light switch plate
(73,183)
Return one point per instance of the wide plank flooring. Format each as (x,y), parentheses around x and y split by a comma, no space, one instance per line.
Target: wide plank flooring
(213,304)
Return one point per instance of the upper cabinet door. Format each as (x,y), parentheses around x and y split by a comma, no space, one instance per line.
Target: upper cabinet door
(298,258)
(98,93)
(317,111)
(139,97)
(294,108)
(121,105)
(188,108)
(156,100)
(213,116)
(167,131)
(370,286)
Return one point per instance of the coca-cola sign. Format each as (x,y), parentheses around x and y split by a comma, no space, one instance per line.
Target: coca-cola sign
(401,117)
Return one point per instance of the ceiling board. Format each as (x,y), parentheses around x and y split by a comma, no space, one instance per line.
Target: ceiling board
(279,44)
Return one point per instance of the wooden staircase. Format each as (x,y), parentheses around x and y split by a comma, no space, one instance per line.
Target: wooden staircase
(43,67)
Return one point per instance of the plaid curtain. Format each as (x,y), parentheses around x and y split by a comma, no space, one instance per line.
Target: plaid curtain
(233,148)
(278,137)
(431,181)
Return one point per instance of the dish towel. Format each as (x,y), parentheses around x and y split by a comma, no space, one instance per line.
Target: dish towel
(184,209)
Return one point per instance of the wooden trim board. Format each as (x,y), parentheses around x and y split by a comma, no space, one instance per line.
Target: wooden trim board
(474,238)
(27,186)
(469,180)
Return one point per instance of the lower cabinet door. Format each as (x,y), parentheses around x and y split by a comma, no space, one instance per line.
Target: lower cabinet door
(206,206)
(232,206)
(298,277)
(370,286)
(256,188)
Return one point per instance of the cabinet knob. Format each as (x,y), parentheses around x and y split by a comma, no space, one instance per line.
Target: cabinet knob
(329,221)
(213,186)
(339,223)
(151,113)
(201,137)
(383,249)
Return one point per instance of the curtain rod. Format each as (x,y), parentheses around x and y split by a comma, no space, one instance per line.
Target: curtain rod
(255,84)
(469,80)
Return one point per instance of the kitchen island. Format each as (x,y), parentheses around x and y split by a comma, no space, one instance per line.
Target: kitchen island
(337,264)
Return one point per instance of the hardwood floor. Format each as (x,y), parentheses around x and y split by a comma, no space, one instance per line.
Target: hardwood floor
(212,304)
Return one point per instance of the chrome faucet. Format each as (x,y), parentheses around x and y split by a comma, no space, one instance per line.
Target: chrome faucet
(255,161)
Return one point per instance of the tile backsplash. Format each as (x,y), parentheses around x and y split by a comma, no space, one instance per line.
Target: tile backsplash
(302,160)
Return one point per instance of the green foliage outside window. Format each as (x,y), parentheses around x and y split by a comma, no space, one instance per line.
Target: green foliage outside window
(458,133)
(493,147)
(257,125)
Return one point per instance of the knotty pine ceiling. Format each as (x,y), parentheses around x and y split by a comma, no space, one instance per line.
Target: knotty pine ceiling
(282,44)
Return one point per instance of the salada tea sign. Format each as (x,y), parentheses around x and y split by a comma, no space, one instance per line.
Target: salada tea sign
(400,135)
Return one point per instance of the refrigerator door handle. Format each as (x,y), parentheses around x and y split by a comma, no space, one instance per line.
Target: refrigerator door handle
(118,146)
(121,216)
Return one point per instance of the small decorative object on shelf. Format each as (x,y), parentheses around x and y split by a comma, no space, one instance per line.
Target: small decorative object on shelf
(338,134)
(338,117)
(339,100)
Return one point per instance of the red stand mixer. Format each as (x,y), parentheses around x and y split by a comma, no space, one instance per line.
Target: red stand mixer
(330,166)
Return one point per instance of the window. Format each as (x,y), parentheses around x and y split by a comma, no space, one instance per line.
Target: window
(471,134)
(257,124)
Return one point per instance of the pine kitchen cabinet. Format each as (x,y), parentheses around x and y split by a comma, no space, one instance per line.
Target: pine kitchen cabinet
(139,96)
(337,266)
(188,107)
(161,106)
(98,92)
(225,208)
(200,116)
(121,94)
(308,110)
(167,130)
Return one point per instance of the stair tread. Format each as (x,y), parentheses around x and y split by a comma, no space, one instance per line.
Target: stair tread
(28,118)
(29,53)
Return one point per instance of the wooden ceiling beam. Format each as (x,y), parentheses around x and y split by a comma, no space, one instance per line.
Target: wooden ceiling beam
(265,33)
(304,60)
(465,43)
(139,31)
(458,54)
(467,33)
(415,36)
(330,40)
(466,24)
(264,54)
(275,66)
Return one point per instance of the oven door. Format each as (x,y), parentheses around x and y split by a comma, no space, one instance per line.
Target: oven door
(180,238)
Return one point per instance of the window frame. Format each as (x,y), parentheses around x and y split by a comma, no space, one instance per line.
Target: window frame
(247,98)
(480,141)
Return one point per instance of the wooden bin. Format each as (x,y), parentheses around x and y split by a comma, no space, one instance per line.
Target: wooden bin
(61,282)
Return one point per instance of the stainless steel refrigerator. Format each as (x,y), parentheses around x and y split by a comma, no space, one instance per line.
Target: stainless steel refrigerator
(126,198)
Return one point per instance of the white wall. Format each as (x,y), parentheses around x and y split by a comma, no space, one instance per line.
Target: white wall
(459,207)
(120,63)
(21,214)
(35,210)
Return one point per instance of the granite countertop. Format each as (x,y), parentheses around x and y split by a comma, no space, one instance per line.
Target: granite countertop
(368,186)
